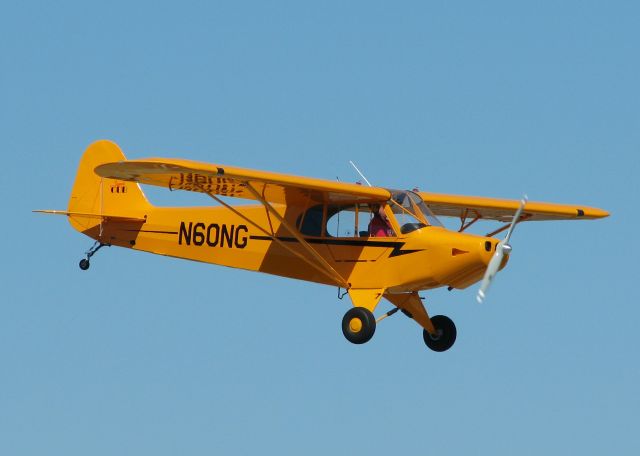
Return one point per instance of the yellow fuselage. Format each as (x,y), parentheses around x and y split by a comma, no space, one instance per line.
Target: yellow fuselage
(427,258)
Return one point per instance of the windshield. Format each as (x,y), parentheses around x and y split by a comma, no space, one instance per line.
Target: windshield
(411,211)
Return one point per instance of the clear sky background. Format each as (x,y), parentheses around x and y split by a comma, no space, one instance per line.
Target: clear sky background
(149,355)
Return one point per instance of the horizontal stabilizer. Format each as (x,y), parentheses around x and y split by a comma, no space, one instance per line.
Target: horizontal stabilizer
(105,217)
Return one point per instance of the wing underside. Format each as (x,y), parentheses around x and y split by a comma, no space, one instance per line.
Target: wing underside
(475,207)
(239,182)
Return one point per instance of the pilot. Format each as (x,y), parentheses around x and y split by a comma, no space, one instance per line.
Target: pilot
(379,225)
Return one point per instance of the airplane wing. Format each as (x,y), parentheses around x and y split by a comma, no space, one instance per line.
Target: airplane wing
(177,174)
(471,207)
(180,174)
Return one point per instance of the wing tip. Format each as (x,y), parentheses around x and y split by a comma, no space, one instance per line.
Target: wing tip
(592,213)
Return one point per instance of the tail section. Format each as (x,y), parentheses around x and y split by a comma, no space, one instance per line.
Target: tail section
(98,205)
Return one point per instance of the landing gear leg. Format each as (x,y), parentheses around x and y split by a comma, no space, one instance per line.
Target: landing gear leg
(439,332)
(85,263)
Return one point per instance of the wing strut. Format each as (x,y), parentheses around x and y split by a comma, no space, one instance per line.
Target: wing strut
(463,220)
(522,218)
(324,267)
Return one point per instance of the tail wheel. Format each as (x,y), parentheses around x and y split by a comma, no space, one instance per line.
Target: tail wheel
(358,325)
(446,336)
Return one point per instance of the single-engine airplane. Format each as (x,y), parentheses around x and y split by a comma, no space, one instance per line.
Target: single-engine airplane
(374,242)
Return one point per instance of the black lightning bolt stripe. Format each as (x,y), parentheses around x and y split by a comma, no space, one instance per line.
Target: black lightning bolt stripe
(397,252)
(154,231)
(396,245)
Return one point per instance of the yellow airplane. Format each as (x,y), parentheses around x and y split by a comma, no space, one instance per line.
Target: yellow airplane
(374,242)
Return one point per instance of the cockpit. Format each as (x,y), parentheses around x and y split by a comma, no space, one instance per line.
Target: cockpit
(411,212)
(407,208)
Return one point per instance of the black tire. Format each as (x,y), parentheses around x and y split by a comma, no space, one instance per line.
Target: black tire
(84,264)
(447,334)
(367,325)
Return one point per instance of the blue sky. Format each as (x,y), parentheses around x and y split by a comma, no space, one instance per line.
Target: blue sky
(151,355)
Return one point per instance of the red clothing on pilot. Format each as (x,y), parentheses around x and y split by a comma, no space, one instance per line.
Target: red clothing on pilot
(379,226)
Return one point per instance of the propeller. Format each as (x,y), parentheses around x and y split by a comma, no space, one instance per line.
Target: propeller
(503,248)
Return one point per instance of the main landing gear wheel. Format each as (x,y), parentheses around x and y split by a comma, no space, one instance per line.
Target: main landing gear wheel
(446,334)
(358,325)
(84,264)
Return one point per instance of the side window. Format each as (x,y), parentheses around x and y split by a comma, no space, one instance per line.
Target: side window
(310,223)
(364,218)
(342,221)
(349,221)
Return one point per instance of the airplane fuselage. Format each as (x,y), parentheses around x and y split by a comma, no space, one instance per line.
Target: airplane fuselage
(254,240)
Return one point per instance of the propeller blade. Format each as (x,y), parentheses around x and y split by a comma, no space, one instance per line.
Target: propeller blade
(490,273)
(502,248)
(515,219)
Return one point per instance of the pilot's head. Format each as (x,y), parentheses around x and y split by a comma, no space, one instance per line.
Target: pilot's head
(378,209)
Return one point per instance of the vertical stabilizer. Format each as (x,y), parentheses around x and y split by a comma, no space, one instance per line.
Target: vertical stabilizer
(102,197)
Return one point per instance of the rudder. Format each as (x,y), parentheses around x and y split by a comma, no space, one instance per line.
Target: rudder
(92,194)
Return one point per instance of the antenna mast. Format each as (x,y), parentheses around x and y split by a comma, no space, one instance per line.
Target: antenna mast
(361,175)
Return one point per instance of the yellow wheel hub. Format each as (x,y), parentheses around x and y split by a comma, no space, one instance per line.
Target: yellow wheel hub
(355,325)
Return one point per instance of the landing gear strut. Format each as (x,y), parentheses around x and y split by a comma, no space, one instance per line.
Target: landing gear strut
(358,325)
(85,263)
